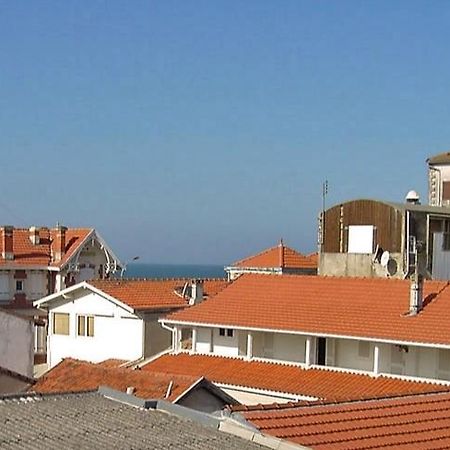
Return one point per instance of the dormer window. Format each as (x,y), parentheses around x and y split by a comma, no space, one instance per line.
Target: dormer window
(19,285)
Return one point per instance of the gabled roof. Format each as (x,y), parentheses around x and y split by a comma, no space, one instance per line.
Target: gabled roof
(279,256)
(28,254)
(288,379)
(417,421)
(139,295)
(156,293)
(72,375)
(371,308)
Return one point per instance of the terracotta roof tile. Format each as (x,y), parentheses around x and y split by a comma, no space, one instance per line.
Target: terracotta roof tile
(360,307)
(417,421)
(72,375)
(320,383)
(279,256)
(26,253)
(156,293)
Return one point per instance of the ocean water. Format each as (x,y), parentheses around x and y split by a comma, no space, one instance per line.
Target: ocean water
(144,270)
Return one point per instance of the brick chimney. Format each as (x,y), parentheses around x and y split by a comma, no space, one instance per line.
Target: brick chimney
(7,242)
(59,243)
(34,235)
(196,292)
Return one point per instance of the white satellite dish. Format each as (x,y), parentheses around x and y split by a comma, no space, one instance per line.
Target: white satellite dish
(385,258)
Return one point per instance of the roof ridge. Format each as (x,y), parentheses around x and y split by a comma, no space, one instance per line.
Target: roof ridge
(332,402)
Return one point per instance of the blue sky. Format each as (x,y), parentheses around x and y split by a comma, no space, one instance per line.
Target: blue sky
(201,131)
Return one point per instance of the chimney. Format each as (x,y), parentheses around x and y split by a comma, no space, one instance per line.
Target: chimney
(281,253)
(416,294)
(7,242)
(34,235)
(196,292)
(59,243)
(130,390)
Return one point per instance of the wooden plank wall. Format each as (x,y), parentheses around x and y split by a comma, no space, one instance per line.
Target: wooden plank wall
(386,219)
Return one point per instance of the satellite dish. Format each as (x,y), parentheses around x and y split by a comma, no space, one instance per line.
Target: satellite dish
(385,258)
(392,267)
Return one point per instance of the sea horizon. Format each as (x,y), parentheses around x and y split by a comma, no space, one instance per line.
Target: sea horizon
(155,270)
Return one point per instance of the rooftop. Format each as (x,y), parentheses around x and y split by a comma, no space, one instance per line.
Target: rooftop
(441,158)
(72,375)
(156,293)
(338,306)
(320,383)
(404,422)
(92,420)
(279,256)
(28,254)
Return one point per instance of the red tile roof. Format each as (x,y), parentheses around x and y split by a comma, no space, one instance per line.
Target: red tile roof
(360,307)
(418,421)
(279,256)
(320,383)
(156,293)
(72,375)
(28,254)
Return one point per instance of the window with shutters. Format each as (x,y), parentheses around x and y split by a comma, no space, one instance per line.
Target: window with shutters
(61,324)
(85,326)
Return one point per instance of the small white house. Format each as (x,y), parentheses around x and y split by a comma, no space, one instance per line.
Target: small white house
(16,343)
(118,319)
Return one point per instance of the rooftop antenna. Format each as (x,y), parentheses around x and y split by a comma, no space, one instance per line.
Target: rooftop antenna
(324,197)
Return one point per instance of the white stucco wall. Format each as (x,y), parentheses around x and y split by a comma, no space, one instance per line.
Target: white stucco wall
(203,340)
(34,285)
(224,345)
(117,333)
(16,344)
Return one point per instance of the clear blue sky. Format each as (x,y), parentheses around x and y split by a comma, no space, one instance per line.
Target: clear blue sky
(201,131)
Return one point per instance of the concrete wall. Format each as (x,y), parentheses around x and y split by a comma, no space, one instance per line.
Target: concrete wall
(354,264)
(157,338)
(117,333)
(16,344)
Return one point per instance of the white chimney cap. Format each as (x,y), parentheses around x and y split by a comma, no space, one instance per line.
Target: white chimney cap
(412,197)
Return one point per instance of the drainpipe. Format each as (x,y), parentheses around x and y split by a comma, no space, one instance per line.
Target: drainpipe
(172,330)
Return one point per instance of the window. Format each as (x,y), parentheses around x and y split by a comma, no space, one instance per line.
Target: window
(446,236)
(19,285)
(445,190)
(228,332)
(85,326)
(363,349)
(61,323)
(360,238)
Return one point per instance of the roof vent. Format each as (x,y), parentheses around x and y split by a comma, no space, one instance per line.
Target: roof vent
(413,198)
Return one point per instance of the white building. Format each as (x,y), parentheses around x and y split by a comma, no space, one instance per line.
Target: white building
(16,343)
(118,319)
(373,326)
(36,262)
